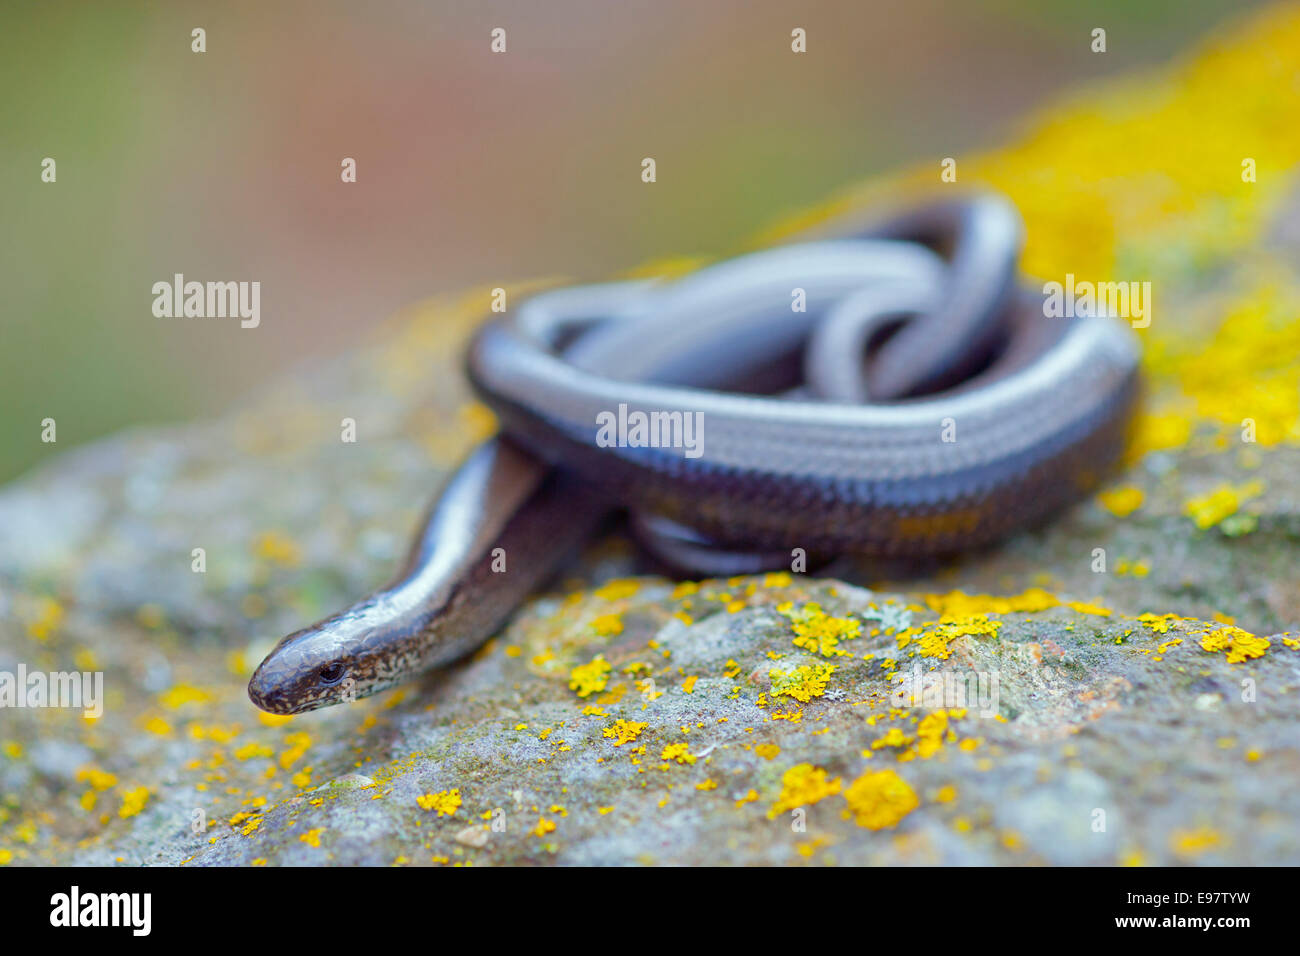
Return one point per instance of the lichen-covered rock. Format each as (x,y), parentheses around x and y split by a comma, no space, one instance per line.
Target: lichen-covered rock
(1117,687)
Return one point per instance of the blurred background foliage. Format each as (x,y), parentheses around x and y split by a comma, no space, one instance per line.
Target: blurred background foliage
(473,168)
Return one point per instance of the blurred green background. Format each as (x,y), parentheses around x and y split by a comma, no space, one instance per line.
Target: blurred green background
(473,168)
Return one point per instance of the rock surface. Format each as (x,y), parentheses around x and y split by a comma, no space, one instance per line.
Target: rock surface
(774,719)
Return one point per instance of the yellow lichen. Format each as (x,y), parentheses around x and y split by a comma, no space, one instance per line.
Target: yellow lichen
(590,678)
(933,639)
(1209,509)
(803,785)
(880,799)
(617,590)
(277,548)
(1194,842)
(133,801)
(607,625)
(445,802)
(803,683)
(819,632)
(624,731)
(1122,501)
(679,752)
(1240,645)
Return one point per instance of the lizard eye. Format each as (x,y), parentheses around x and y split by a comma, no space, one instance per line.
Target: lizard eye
(331,673)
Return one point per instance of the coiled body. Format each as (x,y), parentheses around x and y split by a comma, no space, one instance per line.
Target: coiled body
(738,427)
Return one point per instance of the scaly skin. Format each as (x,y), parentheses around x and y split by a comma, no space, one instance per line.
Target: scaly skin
(997,418)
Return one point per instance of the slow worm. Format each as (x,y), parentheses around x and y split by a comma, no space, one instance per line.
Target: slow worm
(920,403)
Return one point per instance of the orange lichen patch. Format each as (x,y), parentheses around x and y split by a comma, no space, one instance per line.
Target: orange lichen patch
(157,725)
(1243,379)
(478,422)
(607,625)
(133,801)
(807,848)
(1137,569)
(590,678)
(665,267)
(49,615)
(803,683)
(296,745)
(933,639)
(929,734)
(253,750)
(678,752)
(1157,432)
(612,696)
(624,731)
(894,737)
(880,799)
(1194,842)
(1084,607)
(1240,645)
(175,698)
(1224,501)
(445,802)
(801,786)
(685,589)
(99,780)
(618,589)
(961,604)
(817,631)
(217,733)
(1160,623)
(1121,501)
(277,548)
